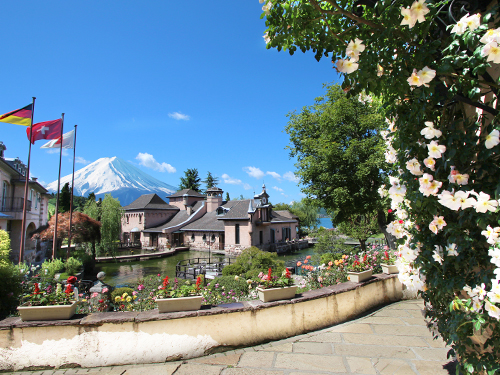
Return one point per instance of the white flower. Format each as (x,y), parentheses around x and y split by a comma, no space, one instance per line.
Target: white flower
(449,200)
(465,201)
(473,22)
(266,37)
(492,139)
(267,7)
(492,35)
(355,47)
(477,305)
(495,256)
(462,179)
(435,150)
(430,163)
(438,254)
(451,249)
(414,167)
(460,27)
(419,10)
(485,204)
(479,291)
(346,66)
(493,310)
(414,79)
(426,75)
(429,131)
(409,17)
(492,51)
(491,234)
(494,293)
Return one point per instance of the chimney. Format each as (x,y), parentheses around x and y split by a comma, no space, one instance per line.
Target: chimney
(214,198)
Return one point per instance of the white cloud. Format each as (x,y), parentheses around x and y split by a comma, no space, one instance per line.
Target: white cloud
(275,175)
(81,160)
(149,161)
(178,116)
(254,172)
(234,181)
(277,188)
(57,151)
(290,176)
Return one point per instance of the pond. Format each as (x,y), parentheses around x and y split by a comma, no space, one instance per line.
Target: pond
(125,273)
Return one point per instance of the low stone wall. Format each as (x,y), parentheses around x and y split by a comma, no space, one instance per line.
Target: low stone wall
(117,338)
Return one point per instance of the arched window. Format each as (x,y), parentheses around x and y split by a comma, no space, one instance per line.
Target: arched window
(204,237)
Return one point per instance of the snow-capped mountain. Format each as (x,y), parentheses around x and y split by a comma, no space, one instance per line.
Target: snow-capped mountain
(117,177)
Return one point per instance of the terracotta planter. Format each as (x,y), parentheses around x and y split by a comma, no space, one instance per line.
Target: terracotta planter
(54,312)
(389,268)
(179,304)
(357,277)
(275,294)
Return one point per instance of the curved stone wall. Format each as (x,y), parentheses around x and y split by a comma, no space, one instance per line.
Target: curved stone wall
(117,338)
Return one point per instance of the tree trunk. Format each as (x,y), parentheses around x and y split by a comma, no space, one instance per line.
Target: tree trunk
(382,226)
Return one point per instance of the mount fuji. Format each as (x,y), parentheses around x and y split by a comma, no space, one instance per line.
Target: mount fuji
(117,177)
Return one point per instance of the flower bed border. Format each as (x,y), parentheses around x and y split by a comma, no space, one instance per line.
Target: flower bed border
(200,331)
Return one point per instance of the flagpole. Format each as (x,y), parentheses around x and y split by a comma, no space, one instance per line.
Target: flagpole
(23,235)
(54,241)
(71,201)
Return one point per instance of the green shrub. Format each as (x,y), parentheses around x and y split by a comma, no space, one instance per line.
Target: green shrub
(238,284)
(73,266)
(252,261)
(51,267)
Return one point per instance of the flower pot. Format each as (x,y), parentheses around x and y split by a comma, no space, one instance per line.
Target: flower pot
(275,294)
(389,268)
(358,277)
(179,304)
(53,312)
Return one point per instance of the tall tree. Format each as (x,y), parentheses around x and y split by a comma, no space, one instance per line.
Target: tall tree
(227,197)
(92,209)
(211,181)
(111,214)
(64,198)
(191,180)
(340,154)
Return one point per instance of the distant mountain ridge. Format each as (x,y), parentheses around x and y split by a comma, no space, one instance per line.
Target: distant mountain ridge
(117,177)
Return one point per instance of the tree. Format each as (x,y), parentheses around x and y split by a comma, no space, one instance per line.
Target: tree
(111,214)
(190,180)
(92,209)
(360,227)
(433,65)
(340,155)
(227,197)
(64,198)
(211,181)
(305,210)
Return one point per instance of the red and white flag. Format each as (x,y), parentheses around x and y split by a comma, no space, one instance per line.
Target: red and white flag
(45,130)
(68,141)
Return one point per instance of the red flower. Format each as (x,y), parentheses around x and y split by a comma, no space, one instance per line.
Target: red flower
(400,221)
(364,258)
(37,289)
(69,289)
(287,273)
(198,283)
(386,255)
(165,282)
(71,280)
(269,274)
(389,210)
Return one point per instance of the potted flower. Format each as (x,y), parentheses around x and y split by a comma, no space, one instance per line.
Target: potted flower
(176,297)
(273,288)
(359,271)
(49,303)
(387,263)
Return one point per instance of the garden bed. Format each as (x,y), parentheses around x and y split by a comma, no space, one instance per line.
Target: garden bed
(116,338)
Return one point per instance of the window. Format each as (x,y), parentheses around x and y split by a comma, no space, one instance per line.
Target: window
(4,194)
(237,234)
(140,216)
(36,200)
(204,236)
(261,237)
(192,237)
(126,216)
(213,237)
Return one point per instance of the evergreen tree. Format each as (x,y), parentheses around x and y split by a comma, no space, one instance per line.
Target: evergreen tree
(211,181)
(191,180)
(64,198)
(227,197)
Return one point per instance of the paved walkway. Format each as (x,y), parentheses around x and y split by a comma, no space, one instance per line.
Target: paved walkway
(392,340)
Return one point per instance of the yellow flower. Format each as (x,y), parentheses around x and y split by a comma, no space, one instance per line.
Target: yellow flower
(124,295)
(118,299)
(129,299)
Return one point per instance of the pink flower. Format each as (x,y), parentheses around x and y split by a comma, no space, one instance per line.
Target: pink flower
(134,293)
(140,287)
(94,295)
(105,290)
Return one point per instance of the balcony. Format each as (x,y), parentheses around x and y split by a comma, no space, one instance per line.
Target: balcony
(8,204)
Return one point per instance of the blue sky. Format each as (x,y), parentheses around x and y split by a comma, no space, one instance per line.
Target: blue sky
(165,85)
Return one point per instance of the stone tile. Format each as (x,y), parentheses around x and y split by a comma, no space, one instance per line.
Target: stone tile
(406,305)
(389,340)
(160,369)
(394,313)
(249,371)
(288,347)
(309,362)
(437,343)
(414,321)
(415,313)
(430,367)
(383,320)
(360,365)
(117,370)
(374,351)
(257,359)
(352,328)
(194,369)
(312,347)
(432,354)
(324,337)
(401,330)
(227,360)
(391,366)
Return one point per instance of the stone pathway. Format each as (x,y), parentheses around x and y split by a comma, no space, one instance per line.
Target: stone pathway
(390,341)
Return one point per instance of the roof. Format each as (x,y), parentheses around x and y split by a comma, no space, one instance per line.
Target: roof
(286,214)
(179,218)
(149,202)
(238,210)
(283,216)
(188,192)
(208,222)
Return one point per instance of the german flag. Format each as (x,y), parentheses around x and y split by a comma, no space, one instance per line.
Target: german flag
(19,116)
